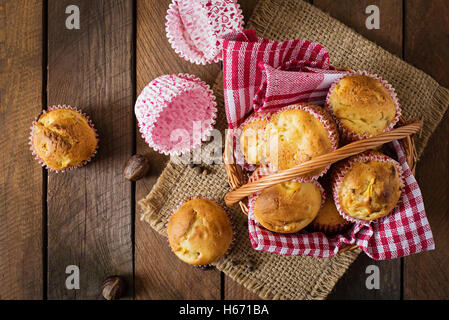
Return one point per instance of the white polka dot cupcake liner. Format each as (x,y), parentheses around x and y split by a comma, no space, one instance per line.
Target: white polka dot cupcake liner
(231,245)
(176,113)
(195,27)
(348,135)
(342,168)
(328,123)
(33,126)
(265,170)
(237,133)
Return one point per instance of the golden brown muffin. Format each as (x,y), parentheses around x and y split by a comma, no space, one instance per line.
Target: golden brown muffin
(252,140)
(63,138)
(369,190)
(288,207)
(362,105)
(328,218)
(295,136)
(200,232)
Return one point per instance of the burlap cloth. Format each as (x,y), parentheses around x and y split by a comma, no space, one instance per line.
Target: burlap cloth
(275,276)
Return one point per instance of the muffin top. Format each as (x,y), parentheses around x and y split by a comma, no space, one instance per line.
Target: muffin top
(328,214)
(370,190)
(63,138)
(288,207)
(295,136)
(362,104)
(200,232)
(252,140)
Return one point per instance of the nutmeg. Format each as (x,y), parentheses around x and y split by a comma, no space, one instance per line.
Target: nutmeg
(113,288)
(136,167)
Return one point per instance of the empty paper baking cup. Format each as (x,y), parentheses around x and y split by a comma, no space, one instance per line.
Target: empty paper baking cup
(175,113)
(195,27)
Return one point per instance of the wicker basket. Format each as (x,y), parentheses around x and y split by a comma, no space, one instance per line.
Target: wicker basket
(238,178)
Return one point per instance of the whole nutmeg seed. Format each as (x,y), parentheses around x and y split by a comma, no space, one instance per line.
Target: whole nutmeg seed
(113,288)
(136,167)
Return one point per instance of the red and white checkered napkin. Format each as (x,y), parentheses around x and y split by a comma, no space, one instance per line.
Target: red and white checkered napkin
(405,231)
(270,74)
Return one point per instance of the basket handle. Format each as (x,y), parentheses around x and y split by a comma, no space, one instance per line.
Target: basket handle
(321,161)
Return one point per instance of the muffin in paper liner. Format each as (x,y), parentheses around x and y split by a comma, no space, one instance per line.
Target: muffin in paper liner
(265,170)
(237,133)
(343,167)
(329,228)
(231,245)
(195,27)
(66,107)
(328,124)
(348,135)
(175,113)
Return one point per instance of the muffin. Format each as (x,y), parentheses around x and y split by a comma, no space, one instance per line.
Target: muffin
(299,133)
(363,106)
(288,207)
(200,232)
(63,138)
(252,138)
(328,219)
(367,186)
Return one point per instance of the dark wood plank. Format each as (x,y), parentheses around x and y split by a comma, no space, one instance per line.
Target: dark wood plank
(389,36)
(90,209)
(427,47)
(21,262)
(159,274)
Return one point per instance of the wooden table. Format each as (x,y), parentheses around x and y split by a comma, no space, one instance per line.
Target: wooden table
(89,217)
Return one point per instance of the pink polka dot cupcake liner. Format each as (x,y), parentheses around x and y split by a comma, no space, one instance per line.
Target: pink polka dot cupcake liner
(195,27)
(348,135)
(175,113)
(328,124)
(340,170)
(30,142)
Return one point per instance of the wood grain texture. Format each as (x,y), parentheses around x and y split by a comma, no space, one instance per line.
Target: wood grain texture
(90,209)
(427,47)
(159,274)
(21,254)
(389,36)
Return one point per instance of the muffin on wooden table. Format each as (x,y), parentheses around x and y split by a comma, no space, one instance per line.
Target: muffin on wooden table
(299,133)
(367,186)
(363,106)
(63,138)
(200,232)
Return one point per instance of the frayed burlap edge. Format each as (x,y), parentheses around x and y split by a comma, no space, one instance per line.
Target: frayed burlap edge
(316,285)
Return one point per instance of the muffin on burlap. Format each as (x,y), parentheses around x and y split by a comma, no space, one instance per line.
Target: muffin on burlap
(63,138)
(363,106)
(200,232)
(252,138)
(288,207)
(367,186)
(298,133)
